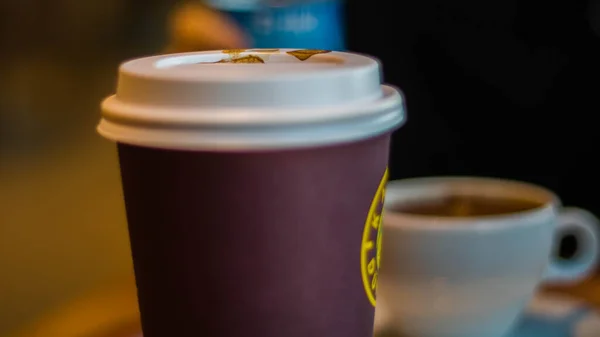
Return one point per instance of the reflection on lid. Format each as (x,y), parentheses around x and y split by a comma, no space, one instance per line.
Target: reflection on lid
(244,59)
(263,55)
(305,54)
(233,51)
(264,50)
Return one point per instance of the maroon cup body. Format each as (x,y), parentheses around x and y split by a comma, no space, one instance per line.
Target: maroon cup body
(255,243)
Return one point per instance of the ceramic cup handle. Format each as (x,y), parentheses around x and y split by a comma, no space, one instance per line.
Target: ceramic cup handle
(584,226)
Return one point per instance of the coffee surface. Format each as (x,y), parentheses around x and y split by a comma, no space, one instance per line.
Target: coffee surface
(461,206)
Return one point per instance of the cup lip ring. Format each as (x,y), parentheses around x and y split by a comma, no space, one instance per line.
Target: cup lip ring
(115,110)
(299,128)
(548,201)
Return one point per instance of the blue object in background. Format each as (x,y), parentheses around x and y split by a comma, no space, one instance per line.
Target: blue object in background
(307,24)
(313,24)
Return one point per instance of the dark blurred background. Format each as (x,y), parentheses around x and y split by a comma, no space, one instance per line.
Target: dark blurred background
(62,226)
(494,88)
(500,88)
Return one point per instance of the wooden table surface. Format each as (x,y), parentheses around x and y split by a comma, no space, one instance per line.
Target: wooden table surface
(113,312)
(588,290)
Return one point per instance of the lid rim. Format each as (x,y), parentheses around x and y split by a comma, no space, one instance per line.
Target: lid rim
(280,140)
(137,114)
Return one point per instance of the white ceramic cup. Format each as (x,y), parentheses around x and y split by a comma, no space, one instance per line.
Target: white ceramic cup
(473,276)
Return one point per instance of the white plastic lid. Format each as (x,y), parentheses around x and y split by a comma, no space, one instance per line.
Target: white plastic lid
(251,99)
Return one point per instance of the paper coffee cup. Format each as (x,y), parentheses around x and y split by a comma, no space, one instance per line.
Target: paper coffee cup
(253,183)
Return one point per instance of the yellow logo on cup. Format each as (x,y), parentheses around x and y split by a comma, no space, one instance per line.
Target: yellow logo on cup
(370,252)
